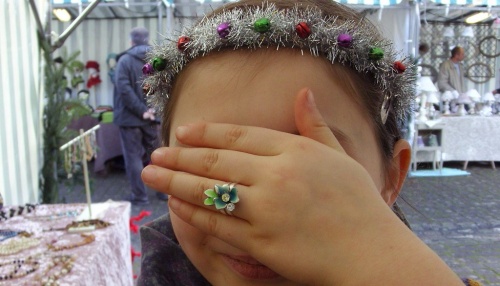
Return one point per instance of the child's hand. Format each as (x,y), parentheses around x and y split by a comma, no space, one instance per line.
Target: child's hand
(307,210)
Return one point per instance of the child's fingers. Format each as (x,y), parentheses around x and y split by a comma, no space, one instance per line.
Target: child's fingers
(310,122)
(191,188)
(251,140)
(226,227)
(218,164)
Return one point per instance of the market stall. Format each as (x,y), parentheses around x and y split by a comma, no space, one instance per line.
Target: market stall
(462,138)
(60,243)
(103,34)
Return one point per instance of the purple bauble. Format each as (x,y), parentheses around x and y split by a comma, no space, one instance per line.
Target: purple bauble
(147,69)
(344,40)
(224,29)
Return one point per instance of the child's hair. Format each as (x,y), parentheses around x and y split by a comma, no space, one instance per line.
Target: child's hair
(378,81)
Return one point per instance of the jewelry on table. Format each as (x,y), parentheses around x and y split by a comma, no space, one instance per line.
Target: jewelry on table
(17,245)
(54,216)
(17,271)
(23,233)
(87,238)
(66,264)
(90,224)
(7,233)
(20,210)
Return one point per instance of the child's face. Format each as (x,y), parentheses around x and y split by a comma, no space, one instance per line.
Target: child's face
(259,90)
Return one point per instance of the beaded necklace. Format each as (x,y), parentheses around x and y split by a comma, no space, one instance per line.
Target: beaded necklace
(17,270)
(17,245)
(66,264)
(92,222)
(84,224)
(6,234)
(53,216)
(87,238)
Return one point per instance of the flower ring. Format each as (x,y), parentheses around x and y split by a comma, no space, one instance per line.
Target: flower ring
(223,197)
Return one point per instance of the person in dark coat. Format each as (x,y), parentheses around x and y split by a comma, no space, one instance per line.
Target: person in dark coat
(138,128)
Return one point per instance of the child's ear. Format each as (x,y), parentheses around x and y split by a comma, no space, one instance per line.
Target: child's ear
(397,171)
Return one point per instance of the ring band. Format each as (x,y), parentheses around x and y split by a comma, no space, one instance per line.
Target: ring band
(223,197)
(226,212)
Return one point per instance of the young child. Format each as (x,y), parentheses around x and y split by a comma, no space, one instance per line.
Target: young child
(284,156)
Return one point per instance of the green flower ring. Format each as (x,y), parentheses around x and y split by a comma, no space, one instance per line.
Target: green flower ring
(223,197)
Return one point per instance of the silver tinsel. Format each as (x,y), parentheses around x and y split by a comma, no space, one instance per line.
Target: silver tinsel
(398,88)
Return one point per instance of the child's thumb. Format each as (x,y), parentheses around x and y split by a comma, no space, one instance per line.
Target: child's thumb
(310,122)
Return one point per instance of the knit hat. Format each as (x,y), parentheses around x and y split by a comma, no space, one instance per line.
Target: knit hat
(139,36)
(93,71)
(92,65)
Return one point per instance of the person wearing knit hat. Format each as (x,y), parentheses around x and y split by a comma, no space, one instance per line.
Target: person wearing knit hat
(139,36)
(138,128)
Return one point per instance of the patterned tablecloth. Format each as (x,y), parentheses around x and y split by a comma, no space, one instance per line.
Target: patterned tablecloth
(471,138)
(105,261)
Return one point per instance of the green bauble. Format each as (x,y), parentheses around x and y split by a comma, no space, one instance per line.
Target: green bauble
(159,64)
(262,25)
(376,54)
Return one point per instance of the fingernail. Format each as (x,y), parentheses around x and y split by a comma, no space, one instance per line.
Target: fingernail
(181,131)
(174,203)
(148,174)
(157,154)
(159,151)
(310,99)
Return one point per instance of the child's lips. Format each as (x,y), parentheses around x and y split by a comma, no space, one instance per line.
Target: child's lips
(250,268)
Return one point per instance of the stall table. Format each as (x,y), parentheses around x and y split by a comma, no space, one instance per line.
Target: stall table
(105,261)
(469,138)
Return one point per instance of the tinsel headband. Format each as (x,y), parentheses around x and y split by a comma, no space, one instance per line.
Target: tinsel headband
(346,42)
